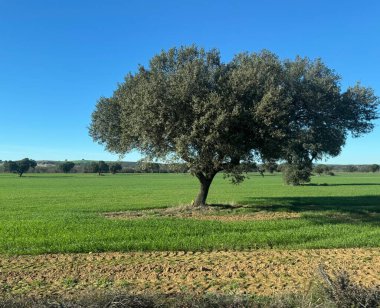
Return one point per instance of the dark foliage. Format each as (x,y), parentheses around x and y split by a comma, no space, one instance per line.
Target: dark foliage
(115,167)
(20,166)
(67,166)
(217,116)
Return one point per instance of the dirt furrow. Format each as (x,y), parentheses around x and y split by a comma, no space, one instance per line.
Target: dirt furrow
(261,272)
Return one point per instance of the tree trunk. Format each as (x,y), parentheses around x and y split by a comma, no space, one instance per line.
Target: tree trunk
(205,182)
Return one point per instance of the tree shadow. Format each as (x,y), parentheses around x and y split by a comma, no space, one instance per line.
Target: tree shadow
(220,206)
(47,176)
(344,184)
(322,210)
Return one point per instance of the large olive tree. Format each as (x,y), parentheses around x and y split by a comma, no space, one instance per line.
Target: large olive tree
(216,116)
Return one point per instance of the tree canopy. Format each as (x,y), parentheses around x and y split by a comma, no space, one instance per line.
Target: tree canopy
(115,167)
(214,116)
(374,168)
(99,167)
(66,166)
(20,166)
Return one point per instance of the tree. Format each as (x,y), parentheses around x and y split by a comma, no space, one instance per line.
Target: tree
(102,167)
(148,166)
(98,167)
(67,166)
(351,168)
(190,106)
(374,168)
(261,170)
(270,166)
(319,169)
(20,166)
(364,168)
(295,174)
(10,166)
(115,167)
(93,167)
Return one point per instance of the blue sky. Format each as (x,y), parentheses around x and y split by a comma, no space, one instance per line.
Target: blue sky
(58,57)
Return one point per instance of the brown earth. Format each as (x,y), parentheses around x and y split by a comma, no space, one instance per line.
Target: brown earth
(206,213)
(263,272)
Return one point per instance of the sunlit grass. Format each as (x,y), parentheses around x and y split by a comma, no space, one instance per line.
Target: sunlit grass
(47,213)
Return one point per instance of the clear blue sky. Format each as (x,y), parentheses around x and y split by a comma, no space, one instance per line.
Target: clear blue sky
(58,57)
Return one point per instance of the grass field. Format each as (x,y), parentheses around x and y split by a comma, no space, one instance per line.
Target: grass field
(51,213)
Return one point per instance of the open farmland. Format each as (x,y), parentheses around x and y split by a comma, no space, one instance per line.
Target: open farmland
(69,234)
(261,272)
(68,213)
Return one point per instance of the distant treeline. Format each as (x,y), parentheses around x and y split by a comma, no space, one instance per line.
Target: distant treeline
(87,166)
(100,167)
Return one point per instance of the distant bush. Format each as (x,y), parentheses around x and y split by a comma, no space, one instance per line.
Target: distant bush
(270,166)
(296,174)
(351,168)
(323,169)
(97,167)
(66,167)
(319,169)
(115,167)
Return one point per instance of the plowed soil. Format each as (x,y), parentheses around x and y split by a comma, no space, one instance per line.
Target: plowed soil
(262,272)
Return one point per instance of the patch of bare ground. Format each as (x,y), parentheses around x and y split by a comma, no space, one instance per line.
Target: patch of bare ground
(261,272)
(220,213)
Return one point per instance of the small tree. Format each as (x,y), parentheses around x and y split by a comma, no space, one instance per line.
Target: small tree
(374,168)
(99,167)
(319,169)
(93,167)
(261,170)
(115,167)
(270,166)
(67,166)
(19,167)
(102,167)
(10,166)
(296,174)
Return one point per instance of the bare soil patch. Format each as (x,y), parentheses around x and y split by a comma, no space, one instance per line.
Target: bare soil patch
(263,272)
(223,213)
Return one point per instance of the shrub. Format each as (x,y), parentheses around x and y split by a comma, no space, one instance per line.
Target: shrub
(347,294)
(115,167)
(351,168)
(295,174)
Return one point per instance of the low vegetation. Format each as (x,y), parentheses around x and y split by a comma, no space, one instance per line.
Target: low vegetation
(132,240)
(331,292)
(51,213)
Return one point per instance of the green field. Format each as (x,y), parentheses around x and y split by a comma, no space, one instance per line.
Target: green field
(49,213)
